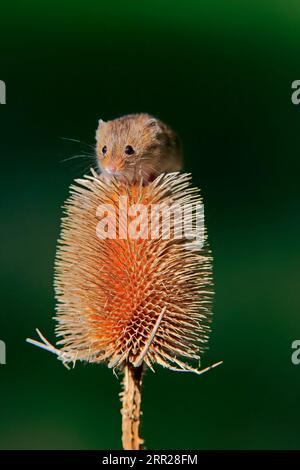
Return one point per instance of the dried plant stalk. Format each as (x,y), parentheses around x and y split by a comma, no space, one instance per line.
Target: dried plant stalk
(132,303)
(131,407)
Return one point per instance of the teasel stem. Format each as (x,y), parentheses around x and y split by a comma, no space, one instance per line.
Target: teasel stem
(131,407)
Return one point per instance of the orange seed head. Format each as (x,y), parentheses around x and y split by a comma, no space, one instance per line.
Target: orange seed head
(136,300)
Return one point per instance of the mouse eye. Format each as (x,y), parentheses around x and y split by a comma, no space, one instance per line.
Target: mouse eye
(104,150)
(129,150)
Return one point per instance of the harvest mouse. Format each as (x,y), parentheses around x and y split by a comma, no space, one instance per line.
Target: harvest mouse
(136,148)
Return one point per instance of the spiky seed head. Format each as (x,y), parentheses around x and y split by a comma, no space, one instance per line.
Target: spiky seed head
(124,299)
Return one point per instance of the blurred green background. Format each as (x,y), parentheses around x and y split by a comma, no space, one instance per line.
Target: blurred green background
(219,72)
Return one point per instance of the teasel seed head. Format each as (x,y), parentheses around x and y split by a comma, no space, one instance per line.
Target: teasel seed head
(144,300)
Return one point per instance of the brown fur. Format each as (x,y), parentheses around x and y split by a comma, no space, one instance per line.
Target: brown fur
(156,148)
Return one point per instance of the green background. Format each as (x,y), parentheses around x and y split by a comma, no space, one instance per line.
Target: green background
(220,73)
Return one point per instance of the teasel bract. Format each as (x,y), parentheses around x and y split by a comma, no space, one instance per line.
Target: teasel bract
(131,301)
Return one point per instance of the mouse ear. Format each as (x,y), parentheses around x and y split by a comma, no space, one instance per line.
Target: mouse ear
(100,123)
(156,128)
(152,122)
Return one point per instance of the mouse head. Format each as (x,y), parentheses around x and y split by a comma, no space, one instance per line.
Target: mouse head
(134,147)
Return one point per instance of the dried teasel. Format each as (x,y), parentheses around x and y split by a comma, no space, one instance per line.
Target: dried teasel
(131,301)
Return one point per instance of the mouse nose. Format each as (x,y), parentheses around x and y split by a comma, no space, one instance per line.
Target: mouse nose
(111,169)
